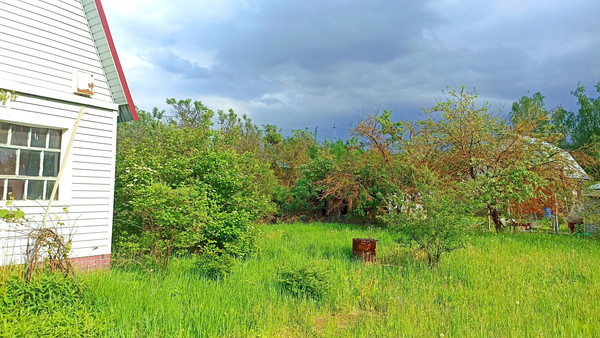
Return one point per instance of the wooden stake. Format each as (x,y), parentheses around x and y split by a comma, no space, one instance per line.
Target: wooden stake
(62,167)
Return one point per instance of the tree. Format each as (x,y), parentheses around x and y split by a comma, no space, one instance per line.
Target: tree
(188,114)
(586,123)
(238,133)
(494,163)
(530,110)
(582,126)
(148,122)
(582,129)
(287,155)
(370,168)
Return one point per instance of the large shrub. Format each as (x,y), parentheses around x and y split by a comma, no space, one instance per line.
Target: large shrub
(182,190)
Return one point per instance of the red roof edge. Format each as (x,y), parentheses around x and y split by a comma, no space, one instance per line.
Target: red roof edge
(113,51)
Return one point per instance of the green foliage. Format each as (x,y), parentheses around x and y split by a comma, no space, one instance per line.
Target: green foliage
(190,114)
(494,164)
(184,188)
(6,95)
(531,110)
(213,265)
(363,173)
(171,220)
(47,292)
(50,304)
(579,230)
(238,133)
(582,129)
(304,197)
(500,188)
(11,214)
(436,225)
(585,124)
(307,281)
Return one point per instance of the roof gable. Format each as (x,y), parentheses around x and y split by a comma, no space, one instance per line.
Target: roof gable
(109,59)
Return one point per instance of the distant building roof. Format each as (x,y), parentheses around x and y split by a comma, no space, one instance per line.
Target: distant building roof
(573,169)
(595,186)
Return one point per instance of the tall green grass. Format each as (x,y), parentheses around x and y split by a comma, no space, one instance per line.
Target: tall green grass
(48,305)
(507,285)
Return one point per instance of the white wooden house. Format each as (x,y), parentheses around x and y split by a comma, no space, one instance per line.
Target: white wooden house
(58,56)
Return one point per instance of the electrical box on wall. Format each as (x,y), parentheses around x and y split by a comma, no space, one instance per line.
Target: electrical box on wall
(84,83)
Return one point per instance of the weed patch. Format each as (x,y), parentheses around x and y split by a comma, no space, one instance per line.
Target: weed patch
(49,304)
(307,281)
(214,266)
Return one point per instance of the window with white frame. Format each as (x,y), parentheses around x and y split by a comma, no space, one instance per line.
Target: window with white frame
(29,161)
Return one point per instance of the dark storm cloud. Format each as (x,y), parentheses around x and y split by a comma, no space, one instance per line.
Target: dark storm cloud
(318,35)
(308,63)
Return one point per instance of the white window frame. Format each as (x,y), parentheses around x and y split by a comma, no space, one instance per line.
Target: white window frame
(50,122)
(27,179)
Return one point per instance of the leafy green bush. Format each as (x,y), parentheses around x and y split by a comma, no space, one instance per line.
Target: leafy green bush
(183,190)
(170,219)
(309,281)
(435,226)
(579,230)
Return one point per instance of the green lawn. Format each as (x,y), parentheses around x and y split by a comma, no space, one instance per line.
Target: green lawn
(507,285)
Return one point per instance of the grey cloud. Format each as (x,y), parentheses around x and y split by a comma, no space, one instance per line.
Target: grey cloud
(320,34)
(315,62)
(270,101)
(175,64)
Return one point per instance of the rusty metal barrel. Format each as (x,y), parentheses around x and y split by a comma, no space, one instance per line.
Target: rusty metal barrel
(365,249)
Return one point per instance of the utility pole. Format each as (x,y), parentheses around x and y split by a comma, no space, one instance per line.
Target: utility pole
(555,218)
(334,137)
(316,138)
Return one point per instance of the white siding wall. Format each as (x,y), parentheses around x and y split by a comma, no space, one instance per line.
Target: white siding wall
(42,43)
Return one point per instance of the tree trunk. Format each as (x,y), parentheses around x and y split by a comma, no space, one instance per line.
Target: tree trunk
(496,219)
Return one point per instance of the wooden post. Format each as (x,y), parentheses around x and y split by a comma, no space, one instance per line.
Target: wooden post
(62,167)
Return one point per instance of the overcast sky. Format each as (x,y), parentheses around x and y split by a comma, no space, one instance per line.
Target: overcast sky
(314,63)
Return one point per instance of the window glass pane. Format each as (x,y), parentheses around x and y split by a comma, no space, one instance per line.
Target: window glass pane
(2,184)
(55,136)
(20,135)
(8,161)
(49,187)
(35,190)
(38,137)
(15,189)
(30,163)
(4,133)
(51,164)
